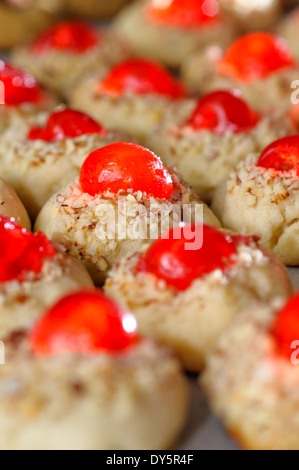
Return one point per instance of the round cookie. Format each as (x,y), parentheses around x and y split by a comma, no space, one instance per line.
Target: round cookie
(65,52)
(92,382)
(190,285)
(95,8)
(220,131)
(21,97)
(171,31)
(259,65)
(261,197)
(251,378)
(11,206)
(124,199)
(250,16)
(20,23)
(33,275)
(133,97)
(54,145)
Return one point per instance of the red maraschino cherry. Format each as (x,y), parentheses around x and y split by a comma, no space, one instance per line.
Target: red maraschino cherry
(183,13)
(84,322)
(64,124)
(21,251)
(255,56)
(19,87)
(68,36)
(141,77)
(124,167)
(169,259)
(282,155)
(221,112)
(286,326)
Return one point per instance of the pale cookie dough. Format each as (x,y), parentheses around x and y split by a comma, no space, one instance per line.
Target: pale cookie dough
(58,70)
(138,115)
(22,303)
(251,388)
(11,206)
(205,158)
(191,321)
(136,400)
(168,44)
(95,8)
(38,169)
(260,201)
(85,224)
(272,93)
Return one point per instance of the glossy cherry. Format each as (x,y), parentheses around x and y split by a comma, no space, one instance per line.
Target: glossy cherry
(64,124)
(255,56)
(19,87)
(286,326)
(141,77)
(21,251)
(282,155)
(68,36)
(123,167)
(190,252)
(223,111)
(86,321)
(183,13)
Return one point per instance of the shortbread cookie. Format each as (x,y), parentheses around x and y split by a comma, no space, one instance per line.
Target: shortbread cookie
(83,379)
(252,378)
(260,65)
(125,197)
(11,206)
(61,55)
(134,97)
(190,285)
(220,131)
(41,156)
(21,97)
(261,196)
(170,31)
(33,275)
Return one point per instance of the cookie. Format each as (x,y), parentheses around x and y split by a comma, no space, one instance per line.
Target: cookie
(259,65)
(124,198)
(171,31)
(134,97)
(220,131)
(261,196)
(65,52)
(52,144)
(252,375)
(191,284)
(82,379)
